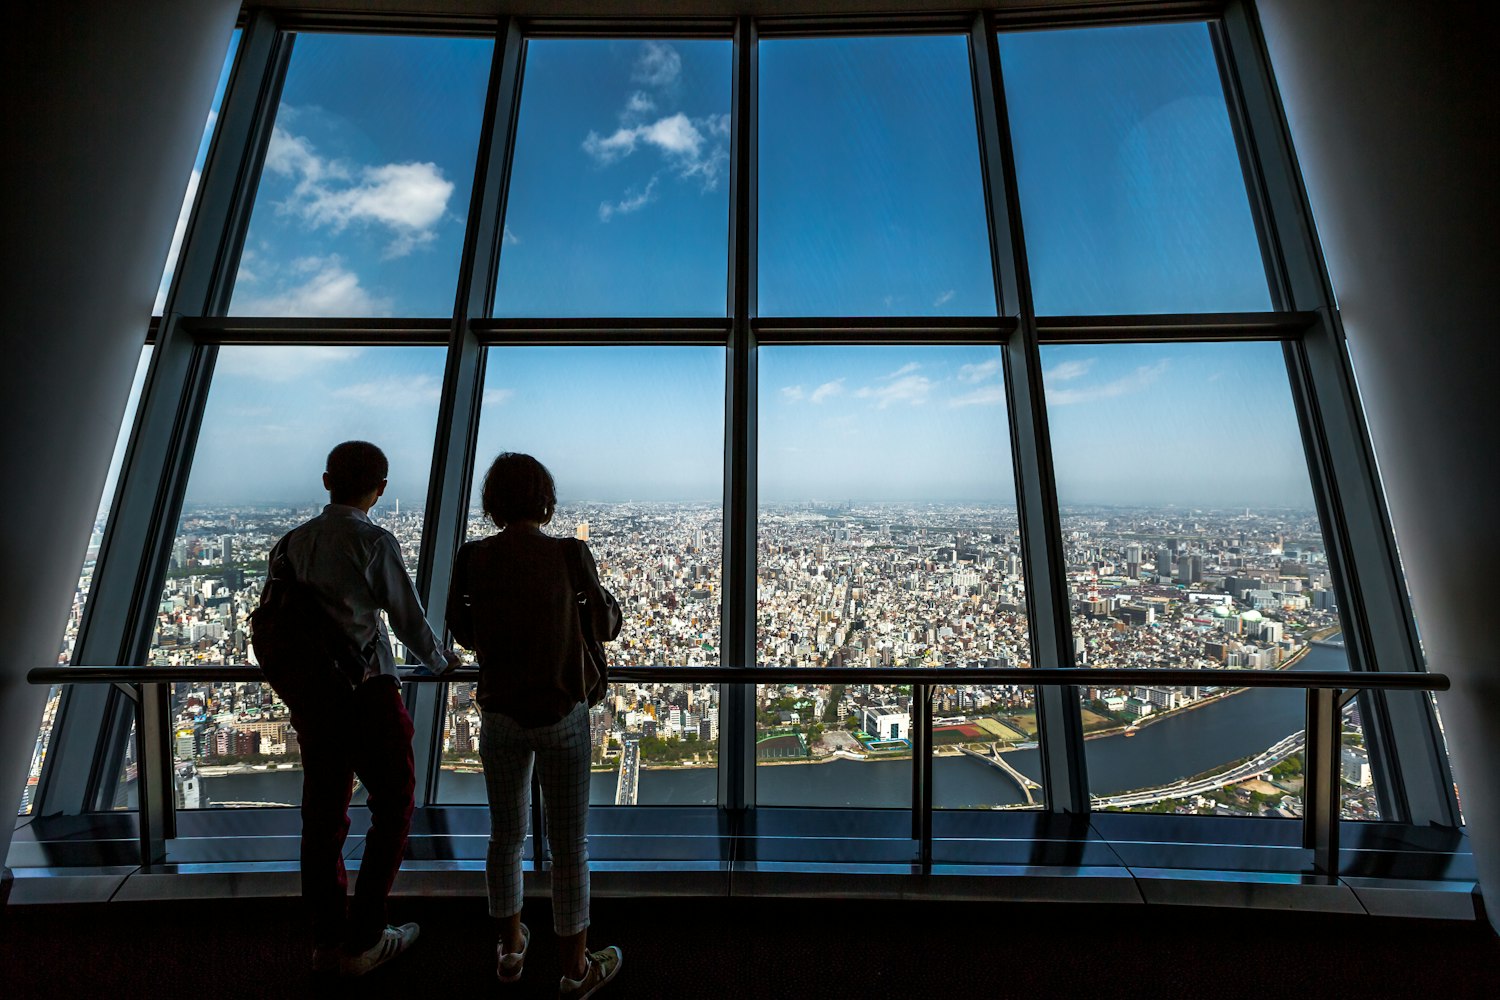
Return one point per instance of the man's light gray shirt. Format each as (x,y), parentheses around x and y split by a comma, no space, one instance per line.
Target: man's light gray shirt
(356,569)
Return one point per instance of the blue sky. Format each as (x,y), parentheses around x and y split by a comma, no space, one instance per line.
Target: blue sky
(869,203)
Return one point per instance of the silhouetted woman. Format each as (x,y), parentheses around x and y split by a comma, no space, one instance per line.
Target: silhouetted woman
(515,601)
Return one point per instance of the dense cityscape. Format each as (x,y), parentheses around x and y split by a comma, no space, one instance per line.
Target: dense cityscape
(840,584)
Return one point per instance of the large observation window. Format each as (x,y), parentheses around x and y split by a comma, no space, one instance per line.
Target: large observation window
(272,417)
(1192,540)
(887,530)
(85,584)
(1131,188)
(869,188)
(190,197)
(619,193)
(847,429)
(634,439)
(365,191)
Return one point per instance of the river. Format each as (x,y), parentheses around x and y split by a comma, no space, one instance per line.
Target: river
(1185,744)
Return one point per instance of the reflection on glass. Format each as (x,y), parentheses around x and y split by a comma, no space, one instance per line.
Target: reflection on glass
(273,414)
(653,745)
(192,189)
(870,197)
(619,194)
(887,531)
(1191,540)
(985,748)
(85,581)
(846,745)
(1131,189)
(365,191)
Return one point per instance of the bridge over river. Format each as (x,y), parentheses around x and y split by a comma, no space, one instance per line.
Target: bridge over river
(996,759)
(628,791)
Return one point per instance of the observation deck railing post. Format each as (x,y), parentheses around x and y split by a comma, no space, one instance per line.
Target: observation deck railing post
(156,816)
(1321,773)
(921,799)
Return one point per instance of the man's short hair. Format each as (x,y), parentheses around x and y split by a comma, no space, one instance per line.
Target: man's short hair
(355,469)
(518,487)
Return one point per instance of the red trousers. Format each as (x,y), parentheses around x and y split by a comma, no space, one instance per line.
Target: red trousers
(369,736)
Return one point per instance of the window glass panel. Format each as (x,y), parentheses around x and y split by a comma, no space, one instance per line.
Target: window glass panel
(273,414)
(870,197)
(985,747)
(634,438)
(887,532)
(85,581)
(365,192)
(619,194)
(191,196)
(1191,540)
(836,745)
(1130,184)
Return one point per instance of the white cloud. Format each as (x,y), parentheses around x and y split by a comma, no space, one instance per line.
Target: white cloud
(293,156)
(658,65)
(177,234)
(394,391)
(906,369)
(409,199)
(284,363)
(792,393)
(638,105)
(1137,380)
(1067,370)
(497,397)
(509,238)
(827,390)
(985,395)
(631,203)
(328,289)
(943,299)
(910,389)
(980,372)
(682,141)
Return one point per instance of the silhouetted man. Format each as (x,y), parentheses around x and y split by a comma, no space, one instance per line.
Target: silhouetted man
(355,570)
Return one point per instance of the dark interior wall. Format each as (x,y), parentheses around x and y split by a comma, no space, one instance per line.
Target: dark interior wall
(104,108)
(1392,112)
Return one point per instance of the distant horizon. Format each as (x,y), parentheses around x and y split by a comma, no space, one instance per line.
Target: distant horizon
(1215,508)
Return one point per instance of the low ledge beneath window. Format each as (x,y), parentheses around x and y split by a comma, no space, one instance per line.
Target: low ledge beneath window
(1384,897)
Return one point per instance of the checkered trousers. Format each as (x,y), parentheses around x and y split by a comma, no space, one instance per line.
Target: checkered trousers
(561,751)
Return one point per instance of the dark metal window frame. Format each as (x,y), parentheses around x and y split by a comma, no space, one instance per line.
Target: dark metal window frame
(1411,768)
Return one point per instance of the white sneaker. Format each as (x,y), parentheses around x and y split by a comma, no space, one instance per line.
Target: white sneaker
(508,964)
(392,942)
(601,968)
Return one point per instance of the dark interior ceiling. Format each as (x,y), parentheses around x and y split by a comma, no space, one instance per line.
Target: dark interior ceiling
(716,8)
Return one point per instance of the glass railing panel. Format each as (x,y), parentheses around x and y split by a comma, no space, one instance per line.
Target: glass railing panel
(986,748)
(833,745)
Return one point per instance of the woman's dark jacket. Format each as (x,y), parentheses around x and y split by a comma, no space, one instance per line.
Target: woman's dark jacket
(513,604)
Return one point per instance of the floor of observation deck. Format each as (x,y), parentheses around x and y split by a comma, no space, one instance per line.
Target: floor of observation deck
(758,948)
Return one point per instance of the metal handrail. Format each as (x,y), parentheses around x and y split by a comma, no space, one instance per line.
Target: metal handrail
(1328,691)
(1149,676)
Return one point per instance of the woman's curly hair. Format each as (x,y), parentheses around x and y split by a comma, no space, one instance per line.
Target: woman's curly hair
(516,488)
